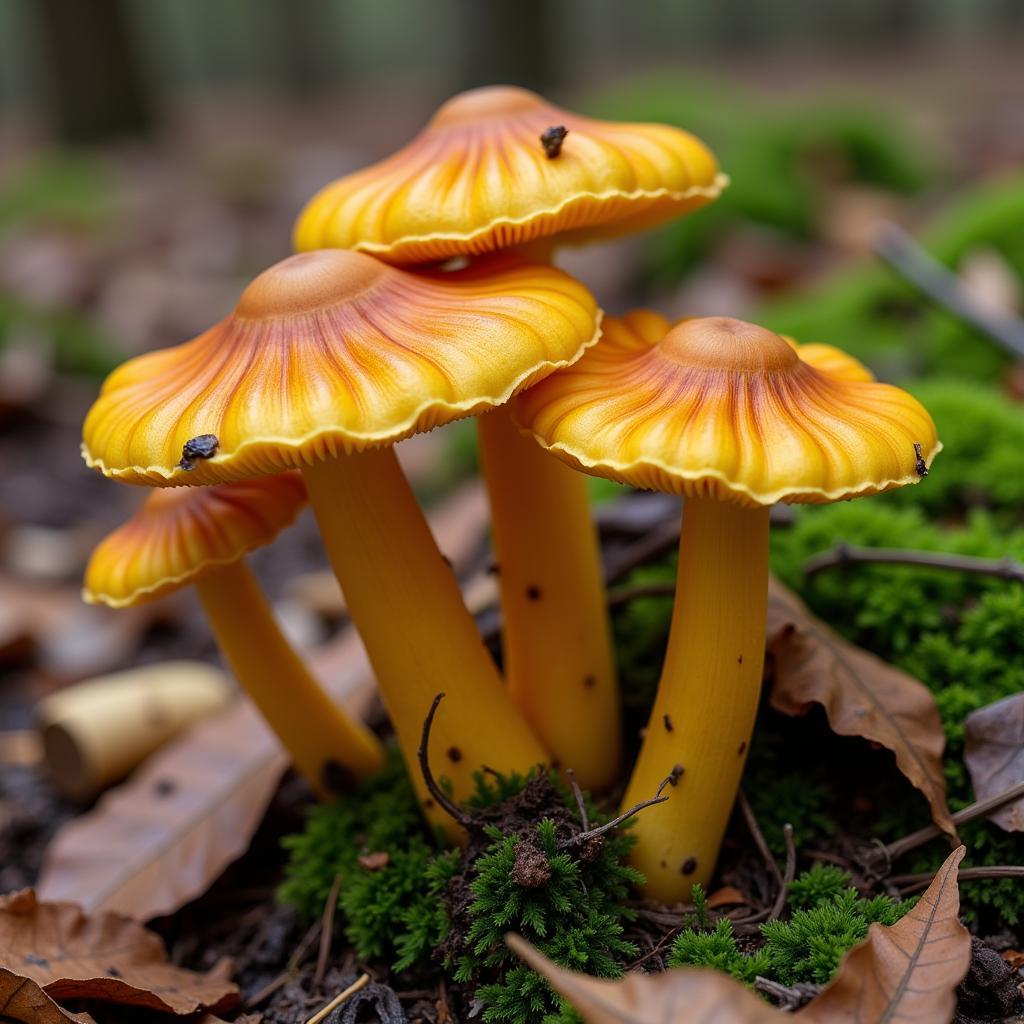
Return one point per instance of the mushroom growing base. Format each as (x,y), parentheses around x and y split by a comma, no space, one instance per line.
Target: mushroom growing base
(707,699)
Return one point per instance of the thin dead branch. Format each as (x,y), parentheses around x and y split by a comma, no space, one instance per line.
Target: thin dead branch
(326,932)
(843,555)
(587,835)
(915,265)
(443,800)
(788,873)
(580,802)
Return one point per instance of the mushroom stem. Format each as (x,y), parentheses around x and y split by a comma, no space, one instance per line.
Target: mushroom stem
(708,695)
(420,638)
(557,638)
(318,735)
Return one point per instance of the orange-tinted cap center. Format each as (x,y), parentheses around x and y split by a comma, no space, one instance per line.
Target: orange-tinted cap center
(722,343)
(309,281)
(488,103)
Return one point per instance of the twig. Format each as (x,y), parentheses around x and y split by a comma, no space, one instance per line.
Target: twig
(845,554)
(338,1000)
(759,840)
(788,998)
(897,849)
(652,544)
(444,801)
(290,970)
(586,836)
(937,282)
(908,884)
(662,942)
(788,873)
(580,802)
(625,594)
(326,932)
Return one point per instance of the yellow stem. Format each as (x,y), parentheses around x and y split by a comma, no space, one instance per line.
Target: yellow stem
(707,698)
(557,638)
(317,733)
(421,640)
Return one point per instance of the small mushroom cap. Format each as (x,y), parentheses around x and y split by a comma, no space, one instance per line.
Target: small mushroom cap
(477,178)
(719,408)
(181,534)
(330,352)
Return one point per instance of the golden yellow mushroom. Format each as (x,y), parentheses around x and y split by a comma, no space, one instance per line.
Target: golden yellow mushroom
(497,168)
(735,418)
(486,174)
(199,537)
(329,359)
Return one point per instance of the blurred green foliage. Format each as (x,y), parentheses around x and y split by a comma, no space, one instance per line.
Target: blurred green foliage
(780,158)
(874,315)
(73,194)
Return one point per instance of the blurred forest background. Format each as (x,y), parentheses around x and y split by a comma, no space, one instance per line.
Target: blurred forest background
(154,154)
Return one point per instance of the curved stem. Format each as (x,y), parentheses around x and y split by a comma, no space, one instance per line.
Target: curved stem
(317,733)
(557,636)
(707,698)
(421,640)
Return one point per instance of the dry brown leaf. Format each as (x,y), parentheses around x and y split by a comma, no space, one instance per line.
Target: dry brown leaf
(160,839)
(683,996)
(908,971)
(727,896)
(24,1001)
(861,694)
(994,755)
(106,958)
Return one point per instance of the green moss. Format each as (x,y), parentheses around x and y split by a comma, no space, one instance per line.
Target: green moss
(828,918)
(576,918)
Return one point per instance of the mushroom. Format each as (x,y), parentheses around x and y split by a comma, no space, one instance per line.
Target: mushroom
(498,168)
(735,418)
(199,537)
(329,359)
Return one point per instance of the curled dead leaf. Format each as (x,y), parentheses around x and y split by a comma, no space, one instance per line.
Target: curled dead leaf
(908,971)
(106,958)
(683,996)
(861,694)
(994,755)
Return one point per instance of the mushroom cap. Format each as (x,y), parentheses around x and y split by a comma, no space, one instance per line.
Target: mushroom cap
(331,352)
(719,408)
(477,178)
(181,534)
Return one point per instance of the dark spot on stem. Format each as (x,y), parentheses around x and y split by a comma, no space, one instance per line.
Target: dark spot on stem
(689,866)
(676,774)
(552,140)
(533,592)
(743,748)
(668,723)
(204,446)
(428,802)
(589,682)
(454,755)
(739,660)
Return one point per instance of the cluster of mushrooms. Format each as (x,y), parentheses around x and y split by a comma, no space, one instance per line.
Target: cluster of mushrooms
(422,292)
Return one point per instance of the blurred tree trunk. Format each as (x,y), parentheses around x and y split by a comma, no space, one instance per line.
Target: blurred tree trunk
(94,84)
(509,42)
(305,30)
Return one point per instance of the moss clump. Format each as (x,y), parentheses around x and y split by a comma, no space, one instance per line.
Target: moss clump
(828,918)
(392,870)
(404,898)
(569,901)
